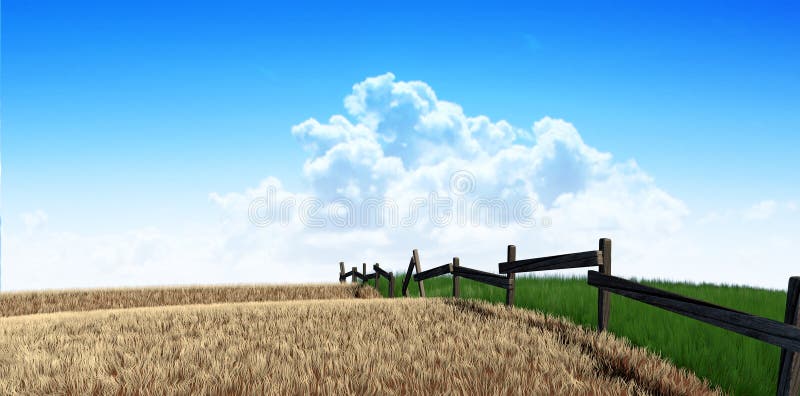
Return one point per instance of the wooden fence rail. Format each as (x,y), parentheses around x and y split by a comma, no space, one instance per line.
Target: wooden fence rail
(344,276)
(354,274)
(563,261)
(380,270)
(483,277)
(434,272)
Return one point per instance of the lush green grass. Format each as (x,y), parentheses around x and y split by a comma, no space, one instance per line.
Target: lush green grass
(737,364)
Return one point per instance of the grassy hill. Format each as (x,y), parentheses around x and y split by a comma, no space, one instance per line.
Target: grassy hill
(308,340)
(738,364)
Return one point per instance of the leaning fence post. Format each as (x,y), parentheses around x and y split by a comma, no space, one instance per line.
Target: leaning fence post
(511,256)
(341,272)
(355,270)
(407,278)
(789,371)
(603,297)
(456,280)
(391,285)
(418,267)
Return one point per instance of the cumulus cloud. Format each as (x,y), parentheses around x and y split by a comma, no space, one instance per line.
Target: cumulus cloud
(399,144)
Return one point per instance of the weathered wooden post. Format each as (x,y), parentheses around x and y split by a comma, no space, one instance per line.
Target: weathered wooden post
(511,256)
(341,272)
(603,297)
(355,270)
(456,281)
(377,276)
(391,285)
(789,371)
(418,267)
(407,278)
(364,274)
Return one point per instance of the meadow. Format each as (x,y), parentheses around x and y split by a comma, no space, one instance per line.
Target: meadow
(737,364)
(334,346)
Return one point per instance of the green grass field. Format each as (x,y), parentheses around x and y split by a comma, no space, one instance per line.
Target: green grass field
(737,364)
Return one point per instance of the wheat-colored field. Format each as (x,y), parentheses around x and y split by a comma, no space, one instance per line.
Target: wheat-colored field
(345,346)
(26,303)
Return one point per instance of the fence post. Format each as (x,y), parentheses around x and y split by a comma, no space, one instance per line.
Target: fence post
(341,272)
(355,269)
(391,285)
(407,278)
(511,255)
(456,280)
(364,273)
(418,267)
(377,277)
(603,297)
(789,371)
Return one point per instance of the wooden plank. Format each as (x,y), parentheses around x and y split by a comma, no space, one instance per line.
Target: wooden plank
(767,330)
(481,276)
(789,369)
(456,282)
(391,286)
(511,256)
(591,258)
(367,277)
(463,271)
(354,272)
(603,297)
(502,282)
(408,277)
(609,282)
(381,271)
(434,272)
(418,267)
(342,278)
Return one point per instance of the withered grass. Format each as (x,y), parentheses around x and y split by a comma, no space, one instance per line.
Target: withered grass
(27,303)
(346,346)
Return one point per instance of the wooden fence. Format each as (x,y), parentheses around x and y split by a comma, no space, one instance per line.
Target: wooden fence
(600,258)
(379,272)
(457,271)
(786,335)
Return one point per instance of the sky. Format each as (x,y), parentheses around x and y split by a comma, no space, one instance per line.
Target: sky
(137,136)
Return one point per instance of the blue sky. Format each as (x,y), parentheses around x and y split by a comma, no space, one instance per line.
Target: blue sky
(126,115)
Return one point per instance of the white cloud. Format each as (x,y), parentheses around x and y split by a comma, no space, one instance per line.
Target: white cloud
(34,221)
(761,211)
(400,142)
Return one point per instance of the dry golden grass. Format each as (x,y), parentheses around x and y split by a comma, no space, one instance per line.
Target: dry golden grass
(26,303)
(367,346)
